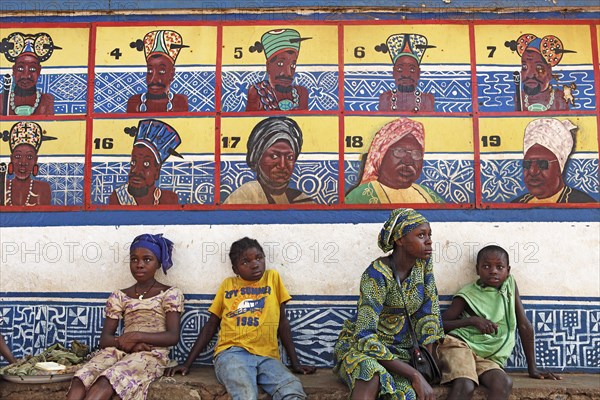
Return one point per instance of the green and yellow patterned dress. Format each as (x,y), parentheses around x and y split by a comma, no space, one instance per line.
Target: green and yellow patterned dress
(378,331)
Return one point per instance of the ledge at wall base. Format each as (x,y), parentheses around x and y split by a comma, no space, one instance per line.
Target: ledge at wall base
(201,384)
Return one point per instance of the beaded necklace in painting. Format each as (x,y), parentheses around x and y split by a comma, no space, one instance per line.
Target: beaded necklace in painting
(157,194)
(538,106)
(269,99)
(143,108)
(25,110)
(9,197)
(417,94)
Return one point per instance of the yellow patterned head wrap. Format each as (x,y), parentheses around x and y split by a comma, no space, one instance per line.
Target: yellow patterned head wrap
(25,132)
(39,45)
(400,222)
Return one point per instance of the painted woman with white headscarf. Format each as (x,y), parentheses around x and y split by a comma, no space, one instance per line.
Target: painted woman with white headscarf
(547,145)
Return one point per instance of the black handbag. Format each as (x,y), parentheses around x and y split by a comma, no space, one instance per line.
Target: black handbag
(420,358)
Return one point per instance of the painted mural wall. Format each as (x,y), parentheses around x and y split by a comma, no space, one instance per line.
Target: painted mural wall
(208,131)
(450,115)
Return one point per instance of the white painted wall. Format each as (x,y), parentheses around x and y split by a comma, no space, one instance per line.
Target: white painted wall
(548,259)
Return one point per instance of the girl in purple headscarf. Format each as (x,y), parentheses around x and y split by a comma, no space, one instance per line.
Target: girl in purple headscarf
(126,364)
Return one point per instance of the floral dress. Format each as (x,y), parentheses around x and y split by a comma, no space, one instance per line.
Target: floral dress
(130,374)
(378,331)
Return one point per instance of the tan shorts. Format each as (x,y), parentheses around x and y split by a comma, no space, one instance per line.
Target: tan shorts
(457,360)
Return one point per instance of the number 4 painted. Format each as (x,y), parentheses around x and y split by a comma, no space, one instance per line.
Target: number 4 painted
(116,53)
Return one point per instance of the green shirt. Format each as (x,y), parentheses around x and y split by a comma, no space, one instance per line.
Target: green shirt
(498,306)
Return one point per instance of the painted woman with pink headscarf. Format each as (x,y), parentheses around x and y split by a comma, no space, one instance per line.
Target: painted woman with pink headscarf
(393,165)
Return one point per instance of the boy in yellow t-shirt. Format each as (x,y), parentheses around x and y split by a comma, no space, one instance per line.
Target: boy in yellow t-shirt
(250,310)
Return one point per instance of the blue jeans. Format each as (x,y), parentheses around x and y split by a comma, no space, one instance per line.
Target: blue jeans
(241,372)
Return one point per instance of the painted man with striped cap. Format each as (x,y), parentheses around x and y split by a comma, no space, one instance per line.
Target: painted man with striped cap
(281,47)
(161,49)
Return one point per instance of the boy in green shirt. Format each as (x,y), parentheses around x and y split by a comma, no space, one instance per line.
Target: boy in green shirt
(480,325)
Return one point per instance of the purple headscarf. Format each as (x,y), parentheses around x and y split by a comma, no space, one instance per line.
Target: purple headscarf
(161,247)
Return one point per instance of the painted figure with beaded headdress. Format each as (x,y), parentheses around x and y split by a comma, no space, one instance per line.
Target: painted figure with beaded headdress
(277,92)
(538,57)
(406,51)
(21,95)
(161,49)
(154,142)
(547,144)
(25,139)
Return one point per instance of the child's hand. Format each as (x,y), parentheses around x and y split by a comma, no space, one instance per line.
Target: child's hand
(141,347)
(422,388)
(484,325)
(303,369)
(127,341)
(535,374)
(180,368)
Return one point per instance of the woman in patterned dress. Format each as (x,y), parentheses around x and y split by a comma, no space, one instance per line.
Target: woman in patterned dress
(151,311)
(372,352)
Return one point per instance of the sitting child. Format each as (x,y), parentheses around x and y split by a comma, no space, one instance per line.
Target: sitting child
(250,310)
(480,325)
(151,311)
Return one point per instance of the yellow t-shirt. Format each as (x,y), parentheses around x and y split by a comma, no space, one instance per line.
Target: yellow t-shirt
(249,313)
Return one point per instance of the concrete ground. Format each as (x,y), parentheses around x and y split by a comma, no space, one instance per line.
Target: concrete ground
(201,384)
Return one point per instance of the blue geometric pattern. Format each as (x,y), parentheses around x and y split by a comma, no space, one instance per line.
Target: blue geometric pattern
(451,89)
(496,89)
(453,180)
(567,335)
(69,91)
(322,88)
(316,179)
(113,89)
(193,181)
(66,182)
(502,180)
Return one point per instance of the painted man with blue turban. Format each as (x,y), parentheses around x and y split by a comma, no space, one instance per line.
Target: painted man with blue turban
(154,142)
(281,47)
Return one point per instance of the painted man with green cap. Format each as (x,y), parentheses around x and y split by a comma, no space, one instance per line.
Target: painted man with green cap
(281,47)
